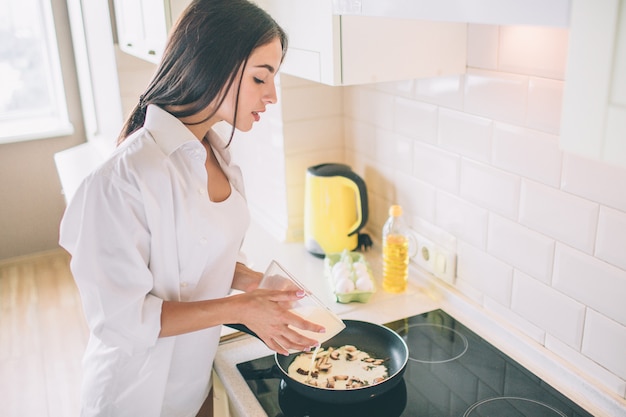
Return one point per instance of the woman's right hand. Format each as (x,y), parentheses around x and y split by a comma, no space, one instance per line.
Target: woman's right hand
(266,312)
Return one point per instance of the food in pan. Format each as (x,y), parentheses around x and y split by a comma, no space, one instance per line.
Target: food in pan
(340,368)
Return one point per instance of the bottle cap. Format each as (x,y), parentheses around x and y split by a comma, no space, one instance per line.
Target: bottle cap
(395,210)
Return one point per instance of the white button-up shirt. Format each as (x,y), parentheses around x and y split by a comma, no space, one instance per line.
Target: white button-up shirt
(141,229)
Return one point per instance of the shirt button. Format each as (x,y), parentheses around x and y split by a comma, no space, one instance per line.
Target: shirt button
(201,191)
(203,241)
(183,284)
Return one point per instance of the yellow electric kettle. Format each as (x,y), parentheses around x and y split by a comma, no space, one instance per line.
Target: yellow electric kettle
(335,209)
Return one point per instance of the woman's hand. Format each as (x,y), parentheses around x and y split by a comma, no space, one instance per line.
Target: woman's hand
(266,313)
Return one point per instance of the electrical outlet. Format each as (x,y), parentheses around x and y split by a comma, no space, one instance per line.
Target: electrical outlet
(434,258)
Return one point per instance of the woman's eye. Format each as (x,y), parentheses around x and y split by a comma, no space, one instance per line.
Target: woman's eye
(258,80)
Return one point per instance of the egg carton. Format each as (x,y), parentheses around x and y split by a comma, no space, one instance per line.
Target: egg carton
(356,270)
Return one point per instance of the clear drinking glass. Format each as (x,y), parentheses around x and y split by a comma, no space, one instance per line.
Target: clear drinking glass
(309,307)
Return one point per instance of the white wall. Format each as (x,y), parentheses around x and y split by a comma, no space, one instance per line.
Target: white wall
(541,235)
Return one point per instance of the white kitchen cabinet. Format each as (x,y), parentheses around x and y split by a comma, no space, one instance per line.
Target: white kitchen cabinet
(220,397)
(593,121)
(143,25)
(489,12)
(345,50)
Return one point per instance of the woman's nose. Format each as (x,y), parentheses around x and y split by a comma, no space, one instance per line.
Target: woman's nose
(271,97)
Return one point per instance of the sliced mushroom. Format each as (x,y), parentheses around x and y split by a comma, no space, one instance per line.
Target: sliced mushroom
(302,371)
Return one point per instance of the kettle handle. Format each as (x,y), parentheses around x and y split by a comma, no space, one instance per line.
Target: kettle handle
(352,180)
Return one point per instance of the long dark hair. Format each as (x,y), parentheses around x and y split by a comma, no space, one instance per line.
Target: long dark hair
(211,40)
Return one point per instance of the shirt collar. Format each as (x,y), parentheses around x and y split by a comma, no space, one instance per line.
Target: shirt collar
(168,132)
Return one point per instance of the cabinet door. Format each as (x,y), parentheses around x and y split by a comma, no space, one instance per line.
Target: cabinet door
(314,38)
(378,49)
(346,50)
(143,25)
(129,21)
(155,29)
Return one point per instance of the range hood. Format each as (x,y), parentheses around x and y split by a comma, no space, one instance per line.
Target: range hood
(495,12)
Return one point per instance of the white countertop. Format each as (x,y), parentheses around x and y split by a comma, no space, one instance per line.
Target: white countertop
(425,293)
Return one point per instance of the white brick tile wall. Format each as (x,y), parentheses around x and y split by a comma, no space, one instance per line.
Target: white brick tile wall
(394,150)
(490,187)
(611,239)
(487,274)
(465,134)
(534,332)
(368,104)
(310,135)
(360,137)
(416,197)
(591,281)
(320,101)
(525,249)
(605,342)
(595,181)
(442,91)
(415,119)
(549,309)
(496,95)
(560,215)
(464,220)
(529,153)
(402,88)
(540,234)
(469,291)
(587,366)
(482,46)
(544,104)
(548,60)
(437,167)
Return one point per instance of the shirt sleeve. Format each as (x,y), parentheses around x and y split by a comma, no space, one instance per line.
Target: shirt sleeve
(105,230)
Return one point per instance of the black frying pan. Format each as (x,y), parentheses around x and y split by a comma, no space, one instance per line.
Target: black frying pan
(379,341)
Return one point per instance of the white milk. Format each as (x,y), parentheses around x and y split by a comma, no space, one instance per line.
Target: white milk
(321,316)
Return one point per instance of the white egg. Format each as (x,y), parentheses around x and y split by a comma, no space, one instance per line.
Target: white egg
(341,275)
(340,270)
(362,274)
(364,283)
(359,267)
(344,285)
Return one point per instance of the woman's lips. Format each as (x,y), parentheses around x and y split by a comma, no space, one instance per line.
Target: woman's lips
(256,115)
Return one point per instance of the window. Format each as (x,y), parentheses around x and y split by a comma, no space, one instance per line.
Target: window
(32,97)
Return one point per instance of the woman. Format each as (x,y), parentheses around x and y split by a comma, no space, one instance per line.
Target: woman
(155,231)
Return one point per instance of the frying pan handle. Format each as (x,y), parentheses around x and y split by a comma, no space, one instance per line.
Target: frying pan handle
(242,328)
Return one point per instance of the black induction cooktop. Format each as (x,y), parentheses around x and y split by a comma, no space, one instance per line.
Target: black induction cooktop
(451,372)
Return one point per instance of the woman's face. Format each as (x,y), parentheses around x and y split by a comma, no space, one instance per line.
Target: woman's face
(257,88)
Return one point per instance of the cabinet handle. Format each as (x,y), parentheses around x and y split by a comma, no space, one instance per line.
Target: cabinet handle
(151,52)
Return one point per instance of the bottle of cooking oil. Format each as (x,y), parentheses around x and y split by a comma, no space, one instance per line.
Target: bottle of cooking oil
(395,252)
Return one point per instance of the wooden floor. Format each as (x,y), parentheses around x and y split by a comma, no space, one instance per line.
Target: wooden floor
(42,337)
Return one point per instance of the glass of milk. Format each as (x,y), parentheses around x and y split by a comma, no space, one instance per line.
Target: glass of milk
(309,307)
